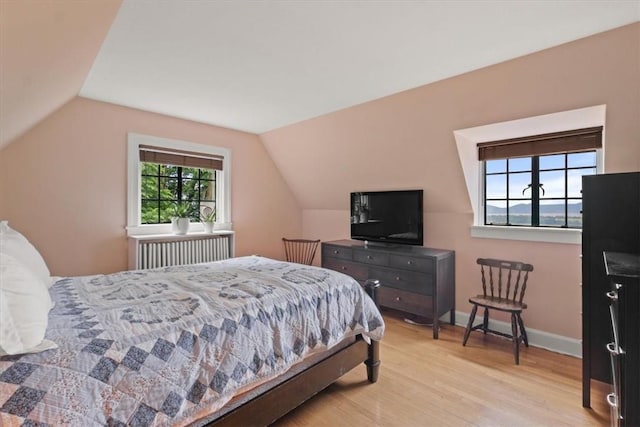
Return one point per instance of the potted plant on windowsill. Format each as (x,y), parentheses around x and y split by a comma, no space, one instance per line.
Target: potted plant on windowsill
(208,217)
(180,218)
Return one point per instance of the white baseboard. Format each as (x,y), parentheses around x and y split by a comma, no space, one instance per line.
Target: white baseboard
(537,338)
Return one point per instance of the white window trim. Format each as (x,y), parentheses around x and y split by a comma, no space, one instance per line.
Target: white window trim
(468,139)
(223,191)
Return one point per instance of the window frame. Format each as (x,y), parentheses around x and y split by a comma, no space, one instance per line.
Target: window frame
(223,184)
(466,143)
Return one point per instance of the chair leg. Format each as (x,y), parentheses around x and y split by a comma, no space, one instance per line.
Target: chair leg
(523,331)
(516,340)
(467,331)
(485,321)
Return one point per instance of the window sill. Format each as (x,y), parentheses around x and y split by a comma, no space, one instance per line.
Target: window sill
(165,229)
(532,234)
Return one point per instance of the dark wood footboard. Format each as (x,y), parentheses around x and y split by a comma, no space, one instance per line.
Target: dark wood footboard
(267,407)
(276,402)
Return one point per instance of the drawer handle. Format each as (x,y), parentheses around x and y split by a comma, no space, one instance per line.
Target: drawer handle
(343,268)
(368,256)
(398,278)
(612,400)
(397,298)
(409,262)
(612,295)
(611,348)
(336,252)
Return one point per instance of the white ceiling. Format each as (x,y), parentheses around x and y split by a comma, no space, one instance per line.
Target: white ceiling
(258,66)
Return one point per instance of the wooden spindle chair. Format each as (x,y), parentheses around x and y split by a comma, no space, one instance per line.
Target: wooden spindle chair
(301,251)
(507,283)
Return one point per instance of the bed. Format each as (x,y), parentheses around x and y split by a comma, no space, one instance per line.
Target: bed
(235,342)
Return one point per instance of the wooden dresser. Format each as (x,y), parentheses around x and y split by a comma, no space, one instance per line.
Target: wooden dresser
(413,279)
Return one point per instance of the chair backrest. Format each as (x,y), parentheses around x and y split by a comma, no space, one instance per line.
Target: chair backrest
(301,251)
(507,279)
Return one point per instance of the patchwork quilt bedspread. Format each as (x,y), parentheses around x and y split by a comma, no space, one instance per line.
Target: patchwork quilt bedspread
(166,346)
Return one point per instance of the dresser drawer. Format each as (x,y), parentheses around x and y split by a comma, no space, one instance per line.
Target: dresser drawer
(368,257)
(424,265)
(421,305)
(336,252)
(357,271)
(405,280)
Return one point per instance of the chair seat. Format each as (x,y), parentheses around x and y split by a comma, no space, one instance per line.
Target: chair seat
(496,303)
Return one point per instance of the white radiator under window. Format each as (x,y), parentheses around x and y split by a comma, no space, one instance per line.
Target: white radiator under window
(162,251)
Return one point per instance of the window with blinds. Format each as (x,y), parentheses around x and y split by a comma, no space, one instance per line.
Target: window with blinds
(536,181)
(164,174)
(169,177)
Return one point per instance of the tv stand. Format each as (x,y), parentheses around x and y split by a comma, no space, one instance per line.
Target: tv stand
(413,279)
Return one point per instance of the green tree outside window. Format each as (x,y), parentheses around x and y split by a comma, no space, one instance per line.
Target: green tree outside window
(162,186)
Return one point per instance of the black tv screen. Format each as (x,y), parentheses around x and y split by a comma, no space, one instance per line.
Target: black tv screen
(387,216)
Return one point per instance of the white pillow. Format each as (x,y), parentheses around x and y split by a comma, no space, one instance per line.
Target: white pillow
(24,309)
(15,244)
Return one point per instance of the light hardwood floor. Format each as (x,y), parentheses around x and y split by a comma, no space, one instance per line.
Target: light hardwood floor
(426,382)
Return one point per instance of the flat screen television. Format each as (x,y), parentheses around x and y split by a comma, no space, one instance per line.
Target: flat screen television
(392,217)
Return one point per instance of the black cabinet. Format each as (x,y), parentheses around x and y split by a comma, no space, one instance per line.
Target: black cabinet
(611,222)
(623,271)
(413,279)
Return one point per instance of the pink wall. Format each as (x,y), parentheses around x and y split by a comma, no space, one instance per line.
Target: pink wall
(406,141)
(63,184)
(48,48)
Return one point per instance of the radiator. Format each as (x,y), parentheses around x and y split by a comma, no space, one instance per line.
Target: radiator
(162,251)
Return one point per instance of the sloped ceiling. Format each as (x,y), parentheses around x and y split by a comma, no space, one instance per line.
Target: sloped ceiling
(258,66)
(46,50)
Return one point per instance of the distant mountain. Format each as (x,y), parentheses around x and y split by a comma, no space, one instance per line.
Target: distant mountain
(522,208)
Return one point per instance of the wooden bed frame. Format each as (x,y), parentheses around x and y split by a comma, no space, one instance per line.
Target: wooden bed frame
(285,396)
